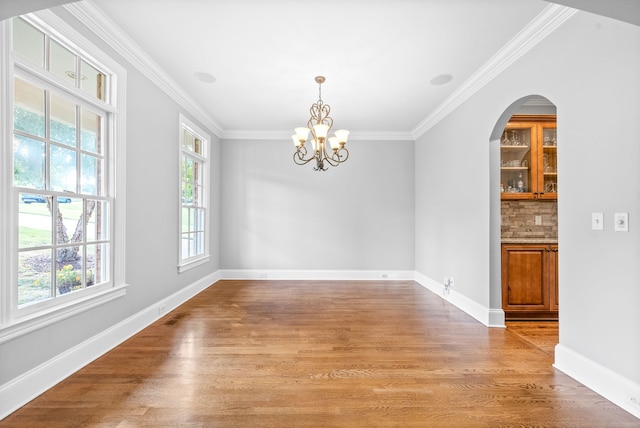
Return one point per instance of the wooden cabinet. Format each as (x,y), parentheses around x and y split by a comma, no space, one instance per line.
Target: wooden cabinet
(528,159)
(530,281)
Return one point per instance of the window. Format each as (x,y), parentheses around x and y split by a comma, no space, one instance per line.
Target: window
(194,216)
(63,225)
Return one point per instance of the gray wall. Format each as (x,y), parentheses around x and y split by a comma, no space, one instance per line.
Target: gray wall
(277,215)
(152,200)
(589,69)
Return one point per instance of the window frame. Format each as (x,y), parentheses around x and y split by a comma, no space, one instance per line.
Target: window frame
(185,124)
(14,321)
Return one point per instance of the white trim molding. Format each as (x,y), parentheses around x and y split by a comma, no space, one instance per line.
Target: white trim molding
(319,275)
(545,23)
(93,17)
(619,390)
(19,391)
(487,316)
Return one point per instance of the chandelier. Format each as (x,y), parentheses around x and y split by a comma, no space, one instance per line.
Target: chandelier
(319,125)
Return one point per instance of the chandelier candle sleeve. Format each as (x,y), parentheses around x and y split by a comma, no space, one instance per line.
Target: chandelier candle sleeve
(319,125)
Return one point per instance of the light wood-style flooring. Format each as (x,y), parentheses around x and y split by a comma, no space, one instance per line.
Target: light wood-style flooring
(322,354)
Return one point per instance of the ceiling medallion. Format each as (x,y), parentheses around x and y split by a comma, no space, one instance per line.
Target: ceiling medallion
(319,125)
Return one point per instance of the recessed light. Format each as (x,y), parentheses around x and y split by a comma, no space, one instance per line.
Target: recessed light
(204,77)
(442,79)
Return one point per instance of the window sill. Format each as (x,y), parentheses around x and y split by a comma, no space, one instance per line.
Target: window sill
(27,324)
(190,264)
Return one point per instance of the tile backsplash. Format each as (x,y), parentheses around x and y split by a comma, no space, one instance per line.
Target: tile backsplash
(518,219)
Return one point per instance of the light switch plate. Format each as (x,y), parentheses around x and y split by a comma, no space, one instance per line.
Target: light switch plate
(597,221)
(621,222)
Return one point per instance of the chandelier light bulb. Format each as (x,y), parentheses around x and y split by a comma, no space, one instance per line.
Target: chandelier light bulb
(321,130)
(342,135)
(302,134)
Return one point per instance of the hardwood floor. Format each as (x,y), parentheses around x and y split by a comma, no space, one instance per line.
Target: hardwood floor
(320,354)
(541,334)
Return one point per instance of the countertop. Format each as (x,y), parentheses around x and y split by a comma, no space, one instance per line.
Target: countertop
(529,241)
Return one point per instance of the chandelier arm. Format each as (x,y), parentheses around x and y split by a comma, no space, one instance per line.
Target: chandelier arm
(341,157)
(298,156)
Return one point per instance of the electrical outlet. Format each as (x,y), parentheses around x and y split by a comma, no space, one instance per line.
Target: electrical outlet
(635,400)
(384,275)
(537,220)
(262,275)
(162,309)
(448,283)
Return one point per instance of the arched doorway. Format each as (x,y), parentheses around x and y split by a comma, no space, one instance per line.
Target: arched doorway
(531,106)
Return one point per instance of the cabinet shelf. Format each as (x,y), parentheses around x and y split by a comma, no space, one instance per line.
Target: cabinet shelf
(536,147)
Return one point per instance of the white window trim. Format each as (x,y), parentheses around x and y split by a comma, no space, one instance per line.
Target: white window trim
(190,263)
(13,325)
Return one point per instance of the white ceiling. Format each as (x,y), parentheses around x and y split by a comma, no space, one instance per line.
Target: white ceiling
(378,56)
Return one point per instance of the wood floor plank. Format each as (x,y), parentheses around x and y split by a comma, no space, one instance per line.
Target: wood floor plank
(322,354)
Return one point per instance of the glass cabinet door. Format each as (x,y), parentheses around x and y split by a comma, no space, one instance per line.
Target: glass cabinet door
(549,161)
(516,180)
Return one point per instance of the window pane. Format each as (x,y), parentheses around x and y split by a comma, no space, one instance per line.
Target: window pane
(200,243)
(184,245)
(63,169)
(69,265)
(197,196)
(198,224)
(62,62)
(34,221)
(92,80)
(90,179)
(97,223)
(187,140)
(28,162)
(97,264)
(28,41)
(197,145)
(192,219)
(184,227)
(28,108)
(34,276)
(197,176)
(69,224)
(196,244)
(63,121)
(188,194)
(90,131)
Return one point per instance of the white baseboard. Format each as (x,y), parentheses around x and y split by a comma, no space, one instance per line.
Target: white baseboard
(318,275)
(487,316)
(620,391)
(19,391)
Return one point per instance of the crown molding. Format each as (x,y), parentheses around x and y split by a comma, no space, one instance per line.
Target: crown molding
(286,135)
(96,20)
(545,23)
